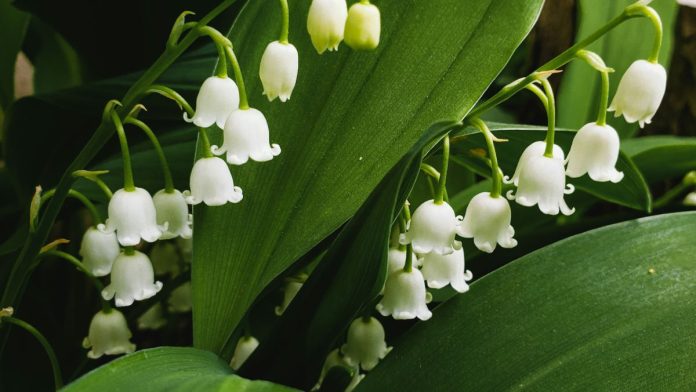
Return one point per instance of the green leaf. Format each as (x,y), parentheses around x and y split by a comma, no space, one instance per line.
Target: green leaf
(56,65)
(605,310)
(13,25)
(631,192)
(347,280)
(578,96)
(168,369)
(662,157)
(352,116)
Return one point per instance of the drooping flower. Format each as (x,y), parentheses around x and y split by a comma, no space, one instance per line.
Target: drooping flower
(541,180)
(153,318)
(396,260)
(640,92)
(405,297)
(173,213)
(432,229)
(337,359)
(211,183)
(534,149)
(594,151)
(132,279)
(247,136)
(290,290)
(365,344)
(133,217)
(442,270)
(98,251)
(278,70)
(487,221)
(326,23)
(217,99)
(108,334)
(363,26)
(165,259)
(245,347)
(181,299)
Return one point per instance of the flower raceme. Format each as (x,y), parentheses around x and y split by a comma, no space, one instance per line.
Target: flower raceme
(98,251)
(211,183)
(487,221)
(365,344)
(541,181)
(132,215)
(442,270)
(432,229)
(247,136)
(132,279)
(172,213)
(405,297)
(217,99)
(278,70)
(594,151)
(363,26)
(108,334)
(640,92)
(326,22)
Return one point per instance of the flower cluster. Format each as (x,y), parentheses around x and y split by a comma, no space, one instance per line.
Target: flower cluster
(330,21)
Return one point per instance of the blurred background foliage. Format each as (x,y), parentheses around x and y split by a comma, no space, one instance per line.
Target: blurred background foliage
(48,47)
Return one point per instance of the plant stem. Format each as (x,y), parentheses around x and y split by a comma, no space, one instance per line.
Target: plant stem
(496,176)
(79,196)
(170,93)
(408,265)
(243,101)
(221,71)
(19,270)
(551,114)
(57,376)
(128,183)
(441,186)
(654,17)
(168,180)
(603,99)
(285,27)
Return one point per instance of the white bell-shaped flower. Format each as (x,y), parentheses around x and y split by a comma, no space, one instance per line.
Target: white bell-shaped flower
(247,136)
(181,299)
(487,221)
(172,213)
(165,259)
(542,181)
(335,359)
(396,260)
(533,150)
(640,92)
(594,151)
(690,199)
(98,251)
(432,229)
(211,183)
(365,344)
(217,99)
(108,334)
(245,347)
(153,318)
(132,279)
(405,296)
(133,217)
(442,270)
(363,26)
(278,70)
(290,290)
(326,22)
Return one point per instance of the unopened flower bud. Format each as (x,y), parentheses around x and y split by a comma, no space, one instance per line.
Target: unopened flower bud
(338,359)
(152,319)
(217,98)
(98,251)
(290,290)
(247,136)
(363,26)
(173,213)
(278,70)
(690,199)
(245,347)
(365,344)
(165,259)
(640,92)
(326,22)
(108,334)
(181,299)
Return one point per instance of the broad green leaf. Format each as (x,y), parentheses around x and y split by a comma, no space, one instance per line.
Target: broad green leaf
(347,280)
(611,309)
(169,369)
(631,192)
(662,157)
(56,65)
(13,25)
(352,116)
(578,95)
